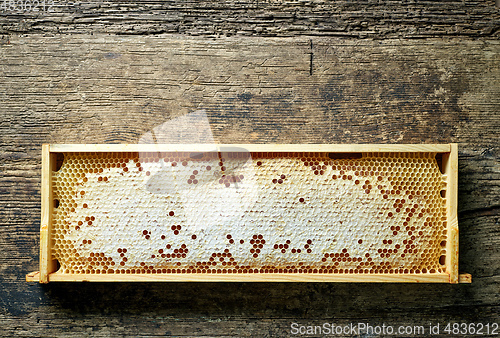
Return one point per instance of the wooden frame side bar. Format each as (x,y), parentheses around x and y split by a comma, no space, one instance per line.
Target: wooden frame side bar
(450,165)
(334,148)
(47,264)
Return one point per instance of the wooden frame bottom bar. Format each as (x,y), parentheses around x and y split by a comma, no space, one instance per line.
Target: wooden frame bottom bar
(255,277)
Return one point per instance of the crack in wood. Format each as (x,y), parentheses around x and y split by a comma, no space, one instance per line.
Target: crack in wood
(311,57)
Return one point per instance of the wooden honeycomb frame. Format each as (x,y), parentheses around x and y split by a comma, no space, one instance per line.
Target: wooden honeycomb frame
(448,158)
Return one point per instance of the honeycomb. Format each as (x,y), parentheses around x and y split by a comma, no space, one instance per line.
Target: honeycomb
(249,212)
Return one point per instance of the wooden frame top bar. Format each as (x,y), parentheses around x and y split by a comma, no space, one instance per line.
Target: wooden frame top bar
(338,148)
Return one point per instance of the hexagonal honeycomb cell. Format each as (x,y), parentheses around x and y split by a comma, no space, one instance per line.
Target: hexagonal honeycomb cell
(243,212)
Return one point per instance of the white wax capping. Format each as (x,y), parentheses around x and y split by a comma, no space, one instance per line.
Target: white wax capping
(231,212)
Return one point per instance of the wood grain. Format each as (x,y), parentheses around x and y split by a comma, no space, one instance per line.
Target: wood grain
(344,18)
(101,88)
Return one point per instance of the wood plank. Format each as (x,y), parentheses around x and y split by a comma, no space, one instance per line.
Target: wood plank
(247,88)
(374,19)
(115,89)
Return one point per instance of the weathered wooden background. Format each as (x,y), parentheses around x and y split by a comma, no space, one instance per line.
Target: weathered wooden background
(265,72)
